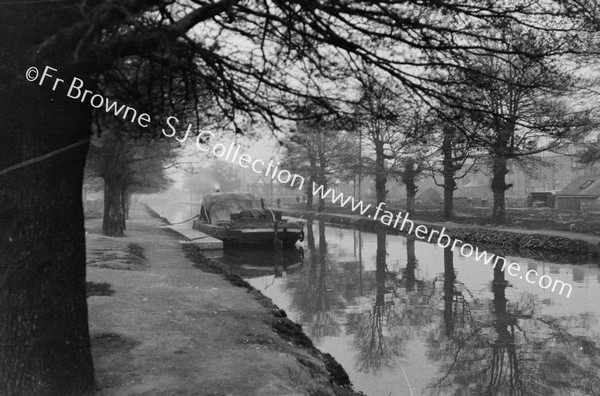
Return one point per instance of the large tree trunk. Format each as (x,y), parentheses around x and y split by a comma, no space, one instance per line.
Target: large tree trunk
(411,193)
(113,223)
(380,173)
(126,205)
(309,194)
(323,182)
(322,175)
(44,335)
(499,187)
(409,178)
(448,201)
(125,209)
(449,171)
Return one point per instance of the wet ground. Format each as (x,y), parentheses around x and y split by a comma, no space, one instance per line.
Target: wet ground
(405,317)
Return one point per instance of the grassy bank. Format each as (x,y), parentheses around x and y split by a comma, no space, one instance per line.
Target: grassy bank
(526,218)
(284,327)
(277,320)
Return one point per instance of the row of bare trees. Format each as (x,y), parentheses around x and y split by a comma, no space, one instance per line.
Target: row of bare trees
(120,167)
(496,110)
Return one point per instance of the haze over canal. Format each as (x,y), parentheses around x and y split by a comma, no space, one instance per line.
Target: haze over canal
(406,317)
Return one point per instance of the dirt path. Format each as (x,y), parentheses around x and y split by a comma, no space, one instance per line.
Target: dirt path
(170,328)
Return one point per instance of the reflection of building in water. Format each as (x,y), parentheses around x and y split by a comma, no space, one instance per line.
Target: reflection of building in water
(578,274)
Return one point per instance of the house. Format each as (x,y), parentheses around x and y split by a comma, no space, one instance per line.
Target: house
(583,193)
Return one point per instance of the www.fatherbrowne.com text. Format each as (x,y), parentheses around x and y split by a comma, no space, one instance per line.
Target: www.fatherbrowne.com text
(443,240)
(398,221)
(76,91)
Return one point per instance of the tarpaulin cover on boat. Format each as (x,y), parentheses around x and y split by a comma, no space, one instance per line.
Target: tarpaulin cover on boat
(218,207)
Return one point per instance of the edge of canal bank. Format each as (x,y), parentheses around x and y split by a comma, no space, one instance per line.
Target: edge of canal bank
(524,242)
(281,324)
(287,330)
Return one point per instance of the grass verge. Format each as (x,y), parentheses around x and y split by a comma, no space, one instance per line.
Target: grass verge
(283,326)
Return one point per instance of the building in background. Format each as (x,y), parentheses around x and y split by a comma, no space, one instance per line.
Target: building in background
(583,194)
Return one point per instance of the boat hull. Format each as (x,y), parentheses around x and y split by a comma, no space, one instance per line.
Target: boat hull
(253,235)
(253,262)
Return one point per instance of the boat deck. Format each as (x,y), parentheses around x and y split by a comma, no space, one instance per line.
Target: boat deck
(199,239)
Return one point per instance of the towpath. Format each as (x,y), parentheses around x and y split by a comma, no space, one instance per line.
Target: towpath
(170,328)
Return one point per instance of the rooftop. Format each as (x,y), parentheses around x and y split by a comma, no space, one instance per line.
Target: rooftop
(588,185)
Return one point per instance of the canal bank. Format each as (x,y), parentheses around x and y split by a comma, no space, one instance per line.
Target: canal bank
(532,243)
(161,326)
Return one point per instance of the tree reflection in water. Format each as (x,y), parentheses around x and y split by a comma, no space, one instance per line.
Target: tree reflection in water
(485,342)
(510,349)
(376,346)
(457,311)
(314,293)
(399,310)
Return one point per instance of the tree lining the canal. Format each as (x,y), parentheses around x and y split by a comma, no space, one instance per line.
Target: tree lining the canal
(125,167)
(126,159)
(394,125)
(45,337)
(455,155)
(321,150)
(517,105)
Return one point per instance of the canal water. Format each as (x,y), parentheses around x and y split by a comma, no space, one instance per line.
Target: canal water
(405,317)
